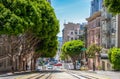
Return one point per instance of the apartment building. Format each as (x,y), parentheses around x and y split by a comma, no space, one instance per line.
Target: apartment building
(109,36)
(93,35)
(71,31)
(93,29)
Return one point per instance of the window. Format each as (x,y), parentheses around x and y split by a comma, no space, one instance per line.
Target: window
(0,50)
(1,63)
(72,38)
(71,33)
(113,30)
(75,31)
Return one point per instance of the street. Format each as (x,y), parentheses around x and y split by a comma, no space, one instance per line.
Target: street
(63,74)
(59,39)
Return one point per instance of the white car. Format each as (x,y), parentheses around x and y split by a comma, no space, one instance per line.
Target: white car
(50,67)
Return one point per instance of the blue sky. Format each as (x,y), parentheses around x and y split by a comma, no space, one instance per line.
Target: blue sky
(71,11)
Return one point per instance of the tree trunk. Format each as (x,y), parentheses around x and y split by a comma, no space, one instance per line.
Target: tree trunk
(93,64)
(34,63)
(12,63)
(74,63)
(31,64)
(20,63)
(26,65)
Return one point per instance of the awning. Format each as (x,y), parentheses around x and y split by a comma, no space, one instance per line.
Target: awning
(83,49)
(59,64)
(104,56)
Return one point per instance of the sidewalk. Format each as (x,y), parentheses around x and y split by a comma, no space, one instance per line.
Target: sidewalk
(111,74)
(15,73)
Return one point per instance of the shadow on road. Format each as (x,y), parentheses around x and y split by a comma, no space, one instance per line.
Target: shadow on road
(29,72)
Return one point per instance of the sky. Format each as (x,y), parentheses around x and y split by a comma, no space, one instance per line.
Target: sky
(75,11)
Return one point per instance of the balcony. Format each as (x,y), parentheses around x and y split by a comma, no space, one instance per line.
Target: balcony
(113,34)
(104,31)
(112,45)
(106,17)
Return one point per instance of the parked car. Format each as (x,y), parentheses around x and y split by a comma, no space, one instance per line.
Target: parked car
(50,67)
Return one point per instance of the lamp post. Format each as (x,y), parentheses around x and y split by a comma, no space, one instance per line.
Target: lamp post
(83,60)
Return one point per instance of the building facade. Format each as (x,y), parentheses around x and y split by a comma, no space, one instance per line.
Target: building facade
(93,29)
(96,5)
(110,26)
(109,30)
(105,29)
(70,32)
(49,1)
(57,57)
(93,36)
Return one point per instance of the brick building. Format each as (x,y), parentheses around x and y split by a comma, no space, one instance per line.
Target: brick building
(93,35)
(71,31)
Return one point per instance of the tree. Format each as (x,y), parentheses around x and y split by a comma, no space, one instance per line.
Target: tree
(73,49)
(63,56)
(47,47)
(114,57)
(91,51)
(34,20)
(113,6)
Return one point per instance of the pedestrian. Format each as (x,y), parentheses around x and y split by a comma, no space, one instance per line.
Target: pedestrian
(12,69)
(93,66)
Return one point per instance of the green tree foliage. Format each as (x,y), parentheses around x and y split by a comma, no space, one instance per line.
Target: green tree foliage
(62,56)
(34,17)
(47,47)
(113,6)
(92,49)
(73,49)
(114,57)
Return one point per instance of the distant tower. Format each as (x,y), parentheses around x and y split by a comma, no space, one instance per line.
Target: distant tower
(96,6)
(49,1)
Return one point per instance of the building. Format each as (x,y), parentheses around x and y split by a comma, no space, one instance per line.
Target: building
(96,5)
(93,35)
(82,32)
(71,31)
(102,30)
(93,29)
(110,35)
(115,32)
(57,57)
(49,1)
(105,29)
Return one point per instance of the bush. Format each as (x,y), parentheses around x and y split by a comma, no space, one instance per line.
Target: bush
(83,68)
(114,56)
